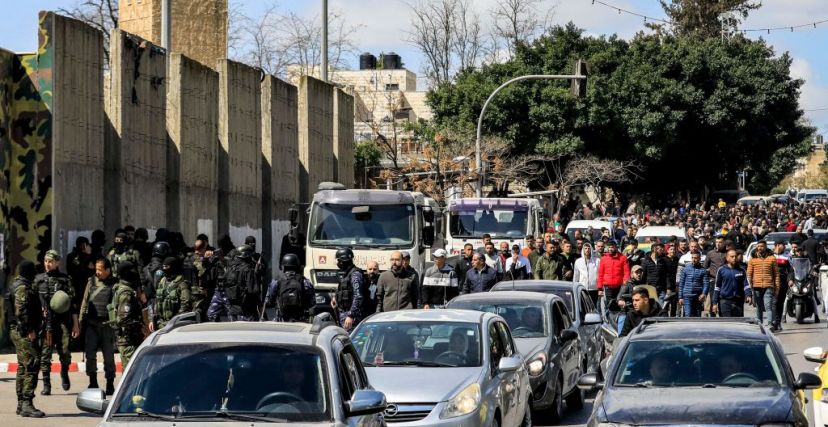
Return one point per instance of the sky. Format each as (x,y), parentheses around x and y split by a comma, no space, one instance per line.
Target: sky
(383,25)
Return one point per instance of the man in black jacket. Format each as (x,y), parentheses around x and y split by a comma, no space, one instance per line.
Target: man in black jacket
(643,307)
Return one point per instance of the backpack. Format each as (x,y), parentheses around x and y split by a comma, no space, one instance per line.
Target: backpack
(239,281)
(290,297)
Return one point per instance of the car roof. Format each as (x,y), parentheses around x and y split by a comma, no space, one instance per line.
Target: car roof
(524,285)
(241,332)
(506,295)
(661,230)
(584,223)
(698,329)
(443,315)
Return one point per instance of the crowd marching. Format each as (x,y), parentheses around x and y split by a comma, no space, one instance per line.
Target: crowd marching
(112,298)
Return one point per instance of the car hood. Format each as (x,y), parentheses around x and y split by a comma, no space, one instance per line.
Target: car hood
(157,423)
(696,405)
(413,384)
(528,347)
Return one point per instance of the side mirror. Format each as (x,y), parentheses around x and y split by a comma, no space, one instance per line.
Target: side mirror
(568,335)
(365,402)
(92,400)
(428,236)
(814,354)
(807,380)
(589,382)
(592,319)
(509,364)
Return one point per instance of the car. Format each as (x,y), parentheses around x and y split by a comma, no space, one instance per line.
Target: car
(542,330)
(650,234)
(445,368)
(820,234)
(251,372)
(811,195)
(584,225)
(702,371)
(753,200)
(585,318)
(820,395)
(781,198)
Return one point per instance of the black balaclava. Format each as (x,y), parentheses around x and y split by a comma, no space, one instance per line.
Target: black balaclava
(26,270)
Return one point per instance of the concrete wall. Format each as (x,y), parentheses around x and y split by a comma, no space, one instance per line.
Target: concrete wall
(316,155)
(240,157)
(192,160)
(77,130)
(280,164)
(343,137)
(136,150)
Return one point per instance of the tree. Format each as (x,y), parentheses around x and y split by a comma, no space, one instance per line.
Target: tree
(514,22)
(367,155)
(99,14)
(703,18)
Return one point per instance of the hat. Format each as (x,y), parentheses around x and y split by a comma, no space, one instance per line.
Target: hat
(52,255)
(440,253)
(60,302)
(406,255)
(125,268)
(636,268)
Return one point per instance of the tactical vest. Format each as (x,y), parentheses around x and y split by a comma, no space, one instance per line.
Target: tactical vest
(100,296)
(345,290)
(115,308)
(119,258)
(168,298)
(33,309)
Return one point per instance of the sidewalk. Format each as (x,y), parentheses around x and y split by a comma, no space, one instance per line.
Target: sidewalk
(8,363)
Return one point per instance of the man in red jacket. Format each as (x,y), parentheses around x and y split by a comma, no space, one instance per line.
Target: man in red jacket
(613,271)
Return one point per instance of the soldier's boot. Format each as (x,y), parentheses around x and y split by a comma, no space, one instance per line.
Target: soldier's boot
(28,410)
(93,381)
(47,384)
(110,386)
(64,377)
(19,404)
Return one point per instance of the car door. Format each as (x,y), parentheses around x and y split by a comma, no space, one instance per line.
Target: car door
(502,382)
(519,379)
(588,333)
(352,377)
(570,350)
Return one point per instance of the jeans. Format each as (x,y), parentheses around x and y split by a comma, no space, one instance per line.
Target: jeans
(779,306)
(765,301)
(692,306)
(668,303)
(734,307)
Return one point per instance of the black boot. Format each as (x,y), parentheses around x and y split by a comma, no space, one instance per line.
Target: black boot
(64,377)
(47,384)
(19,402)
(28,410)
(110,386)
(93,381)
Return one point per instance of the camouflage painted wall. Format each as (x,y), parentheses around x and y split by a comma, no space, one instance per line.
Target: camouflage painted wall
(7,60)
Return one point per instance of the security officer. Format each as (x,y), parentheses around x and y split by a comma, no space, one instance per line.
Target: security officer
(24,315)
(94,316)
(122,252)
(56,293)
(173,294)
(151,274)
(128,320)
(351,291)
(237,295)
(292,292)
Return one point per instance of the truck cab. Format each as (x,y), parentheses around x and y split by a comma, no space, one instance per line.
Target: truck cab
(505,219)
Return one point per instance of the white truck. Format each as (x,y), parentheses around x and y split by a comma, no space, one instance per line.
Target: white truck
(373,223)
(505,219)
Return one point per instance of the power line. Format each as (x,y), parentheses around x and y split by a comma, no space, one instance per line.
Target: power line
(817,109)
(630,12)
(787,27)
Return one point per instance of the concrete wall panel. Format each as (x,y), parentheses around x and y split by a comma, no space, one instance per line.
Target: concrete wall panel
(316,155)
(343,138)
(192,126)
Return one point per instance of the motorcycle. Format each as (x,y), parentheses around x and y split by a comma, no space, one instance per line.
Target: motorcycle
(800,302)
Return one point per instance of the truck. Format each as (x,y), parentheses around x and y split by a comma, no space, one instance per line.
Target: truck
(505,219)
(373,223)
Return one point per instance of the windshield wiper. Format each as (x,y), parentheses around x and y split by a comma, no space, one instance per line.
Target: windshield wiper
(240,416)
(419,363)
(145,414)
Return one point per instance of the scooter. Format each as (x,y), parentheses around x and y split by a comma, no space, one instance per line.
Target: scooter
(800,302)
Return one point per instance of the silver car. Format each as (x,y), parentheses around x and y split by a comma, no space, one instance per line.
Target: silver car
(445,368)
(242,373)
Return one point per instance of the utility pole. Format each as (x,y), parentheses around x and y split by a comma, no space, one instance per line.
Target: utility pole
(323,72)
(166,24)
(579,88)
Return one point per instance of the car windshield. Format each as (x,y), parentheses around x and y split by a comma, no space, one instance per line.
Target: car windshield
(433,344)
(674,363)
(565,293)
(525,318)
(369,225)
(801,267)
(505,223)
(654,239)
(204,380)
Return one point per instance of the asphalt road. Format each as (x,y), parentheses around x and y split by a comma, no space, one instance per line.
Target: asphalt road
(61,411)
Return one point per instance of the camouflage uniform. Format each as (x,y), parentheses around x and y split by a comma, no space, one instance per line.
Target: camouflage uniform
(128,321)
(25,315)
(200,286)
(172,298)
(60,325)
(117,257)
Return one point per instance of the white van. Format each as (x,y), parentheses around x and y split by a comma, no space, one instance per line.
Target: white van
(811,195)
(584,225)
(649,234)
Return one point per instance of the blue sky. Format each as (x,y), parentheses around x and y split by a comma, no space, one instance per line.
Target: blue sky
(383,24)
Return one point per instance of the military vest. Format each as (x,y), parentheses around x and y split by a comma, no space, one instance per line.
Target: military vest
(345,290)
(100,296)
(168,297)
(128,255)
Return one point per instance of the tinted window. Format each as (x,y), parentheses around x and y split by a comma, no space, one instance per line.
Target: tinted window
(200,379)
(525,318)
(506,337)
(420,343)
(495,347)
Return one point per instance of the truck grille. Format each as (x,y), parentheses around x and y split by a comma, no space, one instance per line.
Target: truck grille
(395,413)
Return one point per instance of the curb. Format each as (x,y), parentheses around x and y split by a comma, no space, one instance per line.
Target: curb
(73,367)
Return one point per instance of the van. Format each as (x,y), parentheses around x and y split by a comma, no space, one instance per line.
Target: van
(811,195)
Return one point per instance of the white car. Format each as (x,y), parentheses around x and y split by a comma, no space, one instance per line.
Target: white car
(650,234)
(584,225)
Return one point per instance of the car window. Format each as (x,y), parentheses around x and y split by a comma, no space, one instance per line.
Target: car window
(198,379)
(350,372)
(586,304)
(565,322)
(445,344)
(506,337)
(526,318)
(557,320)
(495,348)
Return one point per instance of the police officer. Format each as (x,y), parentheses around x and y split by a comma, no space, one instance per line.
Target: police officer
(151,275)
(128,322)
(351,290)
(173,294)
(94,316)
(24,315)
(236,296)
(122,252)
(292,292)
(56,296)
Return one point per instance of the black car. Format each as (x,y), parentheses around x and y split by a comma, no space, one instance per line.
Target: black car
(544,333)
(715,371)
(582,312)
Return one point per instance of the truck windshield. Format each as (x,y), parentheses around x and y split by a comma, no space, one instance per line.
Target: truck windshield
(497,223)
(366,225)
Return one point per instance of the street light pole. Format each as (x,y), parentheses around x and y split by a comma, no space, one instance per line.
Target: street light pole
(323,72)
(479,158)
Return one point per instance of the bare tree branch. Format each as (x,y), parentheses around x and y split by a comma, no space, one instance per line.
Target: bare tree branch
(99,14)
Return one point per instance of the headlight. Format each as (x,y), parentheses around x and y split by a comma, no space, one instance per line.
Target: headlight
(465,402)
(537,364)
(795,289)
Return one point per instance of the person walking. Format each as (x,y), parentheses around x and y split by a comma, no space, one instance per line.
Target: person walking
(128,321)
(517,266)
(24,316)
(481,277)
(731,290)
(350,292)
(693,286)
(586,271)
(763,275)
(716,258)
(291,291)
(397,288)
(94,317)
(550,265)
(56,296)
(440,283)
(613,271)
(173,294)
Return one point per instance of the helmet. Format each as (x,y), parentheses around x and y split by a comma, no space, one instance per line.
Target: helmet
(60,302)
(290,261)
(161,249)
(344,255)
(244,252)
